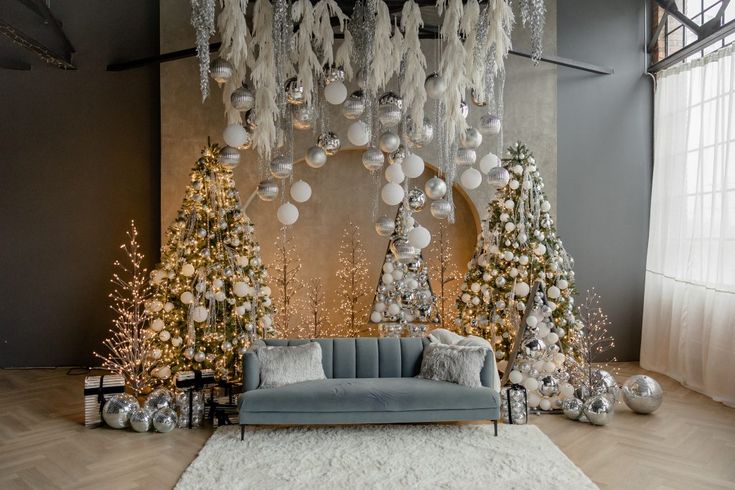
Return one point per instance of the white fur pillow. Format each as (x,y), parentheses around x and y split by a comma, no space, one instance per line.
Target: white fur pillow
(453,363)
(285,365)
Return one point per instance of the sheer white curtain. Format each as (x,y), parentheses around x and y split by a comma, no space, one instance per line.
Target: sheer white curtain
(689,308)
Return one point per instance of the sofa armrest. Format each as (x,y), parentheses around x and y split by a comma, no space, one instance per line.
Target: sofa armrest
(489,376)
(250,370)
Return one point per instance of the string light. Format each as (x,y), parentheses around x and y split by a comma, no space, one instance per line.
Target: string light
(352,276)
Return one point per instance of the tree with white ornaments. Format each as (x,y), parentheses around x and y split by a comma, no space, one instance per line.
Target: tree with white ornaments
(517,248)
(210,296)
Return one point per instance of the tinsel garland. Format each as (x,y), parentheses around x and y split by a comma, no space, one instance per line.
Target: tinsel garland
(533,16)
(264,80)
(412,85)
(233,28)
(202,19)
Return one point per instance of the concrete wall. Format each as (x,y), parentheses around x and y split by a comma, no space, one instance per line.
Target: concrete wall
(605,158)
(80,159)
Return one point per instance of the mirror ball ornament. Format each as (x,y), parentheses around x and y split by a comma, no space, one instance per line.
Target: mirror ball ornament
(267,190)
(334,74)
(389,141)
(548,386)
(117,409)
(164,420)
(385,226)
(604,383)
(471,138)
(534,348)
(397,156)
(435,188)
(441,209)
(416,199)
(329,142)
(435,86)
(498,177)
(221,70)
(465,156)
(229,157)
(294,92)
(419,137)
(140,420)
(403,251)
(390,107)
(302,117)
(316,157)
(642,394)
(599,410)
(489,124)
(158,398)
(354,105)
(572,408)
(242,99)
(281,167)
(373,159)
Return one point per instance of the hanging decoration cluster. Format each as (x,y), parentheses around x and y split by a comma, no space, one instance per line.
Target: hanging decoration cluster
(297,74)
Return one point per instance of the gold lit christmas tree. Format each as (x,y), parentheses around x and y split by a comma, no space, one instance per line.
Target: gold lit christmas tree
(211,298)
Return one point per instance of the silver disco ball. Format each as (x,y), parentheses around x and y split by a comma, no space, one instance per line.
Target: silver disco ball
(642,394)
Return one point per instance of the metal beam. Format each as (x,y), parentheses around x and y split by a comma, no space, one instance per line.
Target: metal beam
(689,50)
(6,64)
(25,41)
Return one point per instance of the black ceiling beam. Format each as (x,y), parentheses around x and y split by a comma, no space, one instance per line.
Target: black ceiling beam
(21,39)
(6,64)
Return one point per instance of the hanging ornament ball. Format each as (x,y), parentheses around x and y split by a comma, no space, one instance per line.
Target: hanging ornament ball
(200,314)
(300,191)
(435,188)
(471,138)
(267,190)
(117,409)
(354,105)
(241,289)
(435,86)
(465,156)
(389,109)
(294,92)
(229,157)
(250,119)
(281,167)
(441,209)
(416,199)
(302,117)
(242,99)
(287,214)
(498,177)
(316,157)
(392,193)
(389,141)
(221,70)
(419,136)
(385,226)
(419,237)
(235,135)
(642,394)
(471,179)
(394,174)
(489,124)
(140,420)
(398,156)
(335,92)
(599,410)
(413,166)
(373,159)
(488,162)
(164,420)
(358,133)
(329,142)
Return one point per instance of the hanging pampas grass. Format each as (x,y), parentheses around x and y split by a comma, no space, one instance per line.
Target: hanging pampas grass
(469,26)
(302,12)
(343,57)
(264,80)
(453,66)
(324,10)
(501,21)
(412,84)
(381,67)
(233,28)
(202,19)
(396,53)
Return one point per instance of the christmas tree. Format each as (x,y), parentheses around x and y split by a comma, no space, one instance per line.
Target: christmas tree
(210,298)
(517,248)
(352,277)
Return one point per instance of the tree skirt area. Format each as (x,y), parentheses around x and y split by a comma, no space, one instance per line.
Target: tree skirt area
(379,456)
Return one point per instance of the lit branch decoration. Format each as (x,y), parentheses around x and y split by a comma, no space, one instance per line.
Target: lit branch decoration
(446,273)
(286,271)
(315,301)
(352,276)
(130,348)
(593,339)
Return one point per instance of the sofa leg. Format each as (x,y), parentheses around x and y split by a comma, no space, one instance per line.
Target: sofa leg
(495,423)
(242,432)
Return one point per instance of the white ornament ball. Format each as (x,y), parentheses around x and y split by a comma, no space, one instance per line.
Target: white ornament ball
(200,314)
(510,226)
(413,166)
(157,325)
(514,184)
(358,133)
(240,289)
(177,341)
(242,261)
(488,162)
(394,173)
(566,390)
(376,317)
(533,400)
(552,338)
(419,237)
(540,249)
(521,289)
(392,194)
(235,135)
(300,191)
(531,384)
(388,278)
(335,92)
(287,214)
(531,321)
(545,404)
(546,206)
(187,270)
(509,204)
(435,86)
(164,335)
(394,309)
(562,284)
(471,179)
(515,377)
(553,292)
(187,298)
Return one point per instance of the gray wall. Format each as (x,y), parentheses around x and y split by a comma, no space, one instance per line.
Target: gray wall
(604,157)
(80,159)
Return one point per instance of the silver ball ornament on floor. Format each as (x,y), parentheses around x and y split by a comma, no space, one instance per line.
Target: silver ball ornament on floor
(435,188)
(302,117)
(572,408)
(267,191)
(416,199)
(140,420)
(164,420)
(642,394)
(441,209)
(117,409)
(316,157)
(435,86)
(489,125)
(242,99)
(281,167)
(158,398)
(329,142)
(498,177)
(389,141)
(373,159)
(221,70)
(599,410)
(604,383)
(385,226)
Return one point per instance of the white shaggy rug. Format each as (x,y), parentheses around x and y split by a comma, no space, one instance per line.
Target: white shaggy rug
(397,456)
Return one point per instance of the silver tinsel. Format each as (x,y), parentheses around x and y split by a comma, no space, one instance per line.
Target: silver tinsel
(202,19)
(533,16)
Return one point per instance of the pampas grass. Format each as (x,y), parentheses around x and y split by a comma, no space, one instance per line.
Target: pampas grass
(453,66)
(264,80)
(308,63)
(412,85)
(324,10)
(233,28)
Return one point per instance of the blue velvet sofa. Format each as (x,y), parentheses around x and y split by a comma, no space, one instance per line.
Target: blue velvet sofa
(369,381)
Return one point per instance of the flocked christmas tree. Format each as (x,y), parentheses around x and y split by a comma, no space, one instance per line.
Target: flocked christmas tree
(210,297)
(519,247)
(352,279)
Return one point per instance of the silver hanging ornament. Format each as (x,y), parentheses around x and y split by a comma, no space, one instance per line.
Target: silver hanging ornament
(329,142)
(419,136)
(334,74)
(250,119)
(221,70)
(435,188)
(489,124)
(441,209)
(242,98)
(294,92)
(302,117)
(498,177)
(373,159)
(397,157)
(471,138)
(281,167)
(389,141)
(403,251)
(385,226)
(465,156)
(354,105)
(390,107)
(435,86)
(229,157)
(416,199)
(316,157)
(267,190)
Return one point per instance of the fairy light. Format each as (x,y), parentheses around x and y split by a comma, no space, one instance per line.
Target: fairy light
(352,276)
(287,266)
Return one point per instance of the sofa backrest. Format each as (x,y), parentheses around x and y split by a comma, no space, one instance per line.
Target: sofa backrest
(367,357)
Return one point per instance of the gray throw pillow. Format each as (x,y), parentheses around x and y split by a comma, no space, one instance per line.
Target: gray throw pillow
(453,363)
(281,365)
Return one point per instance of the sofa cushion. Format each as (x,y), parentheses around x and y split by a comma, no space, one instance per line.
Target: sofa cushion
(285,365)
(453,363)
(368,394)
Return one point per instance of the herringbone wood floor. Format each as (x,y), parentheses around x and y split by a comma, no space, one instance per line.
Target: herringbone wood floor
(688,443)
